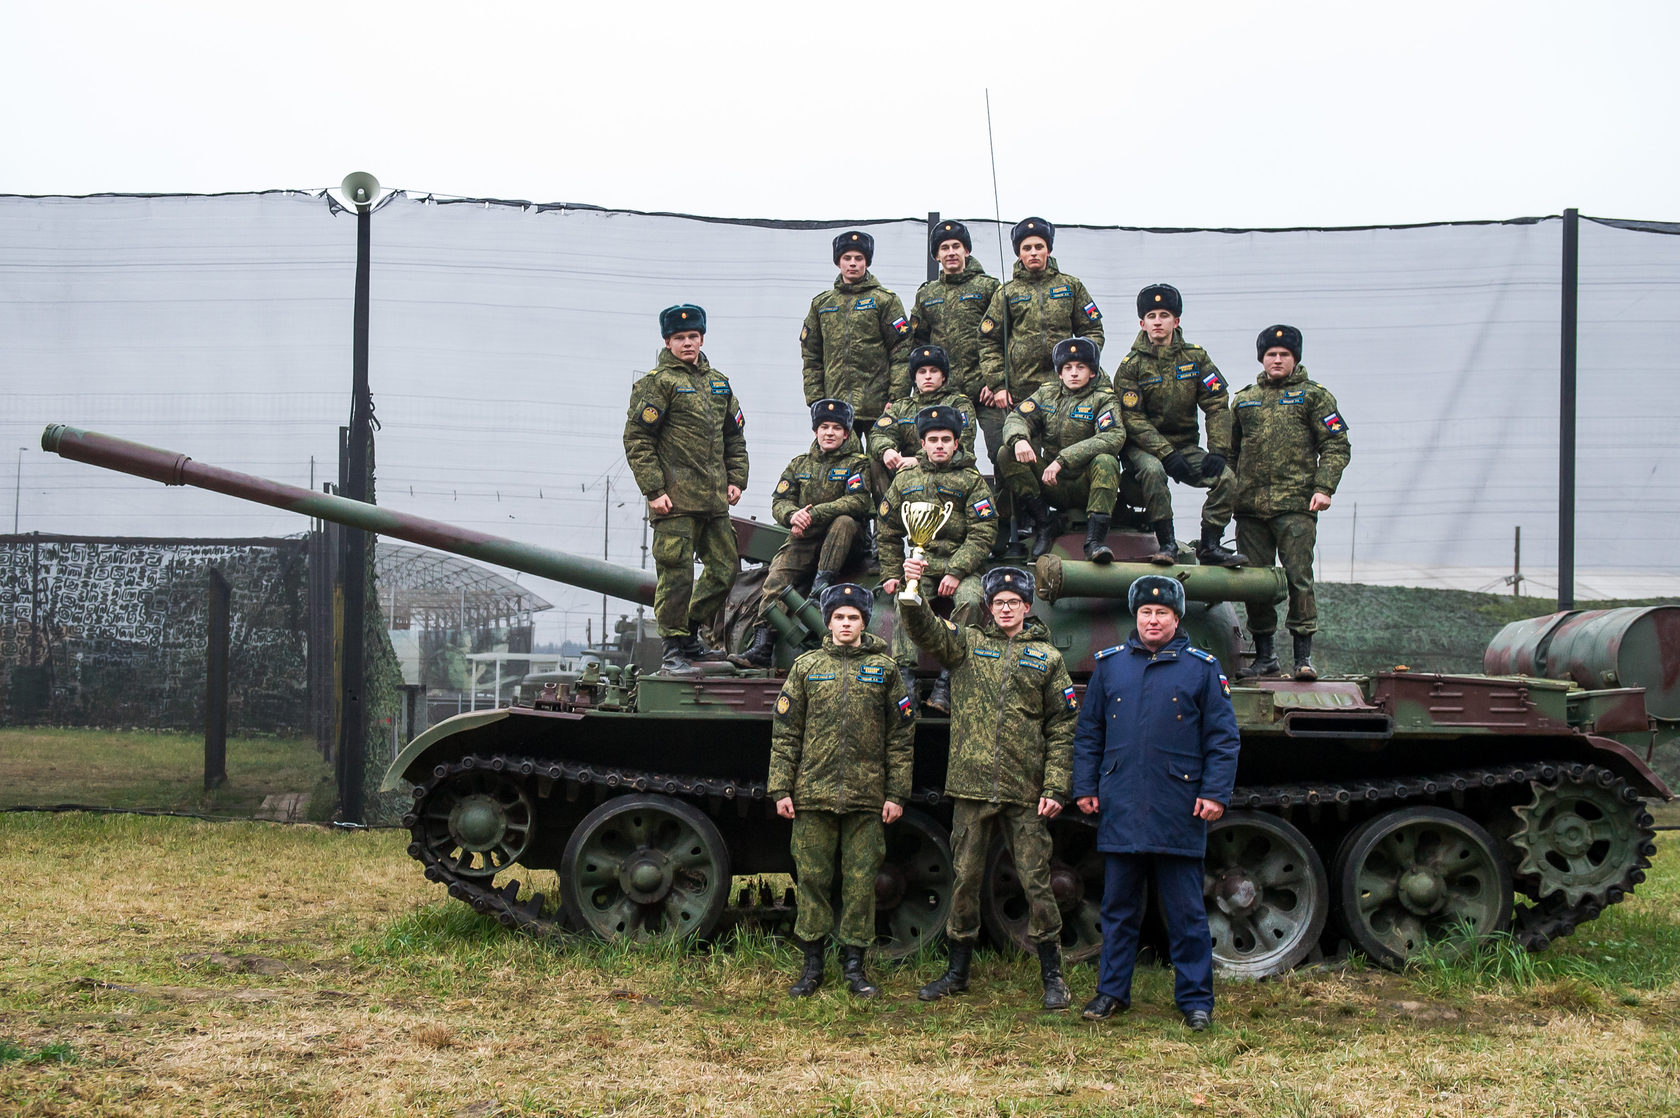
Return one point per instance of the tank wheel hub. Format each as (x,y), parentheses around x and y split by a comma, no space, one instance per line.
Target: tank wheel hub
(1066,884)
(1422,891)
(890,886)
(1236,894)
(1266,894)
(646,876)
(478,823)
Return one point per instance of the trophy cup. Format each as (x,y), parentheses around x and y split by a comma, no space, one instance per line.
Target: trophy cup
(922,521)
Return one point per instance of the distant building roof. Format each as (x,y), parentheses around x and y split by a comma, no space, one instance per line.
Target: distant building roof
(424,589)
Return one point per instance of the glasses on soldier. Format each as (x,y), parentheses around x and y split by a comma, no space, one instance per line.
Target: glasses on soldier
(1008,601)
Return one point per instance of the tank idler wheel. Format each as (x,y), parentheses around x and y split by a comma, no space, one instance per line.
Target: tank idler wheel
(1266,892)
(479,823)
(1420,875)
(1076,880)
(913,889)
(1579,837)
(644,866)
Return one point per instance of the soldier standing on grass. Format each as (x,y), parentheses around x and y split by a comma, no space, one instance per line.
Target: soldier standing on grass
(1290,445)
(1012,719)
(1161,384)
(822,500)
(684,442)
(840,756)
(1155,759)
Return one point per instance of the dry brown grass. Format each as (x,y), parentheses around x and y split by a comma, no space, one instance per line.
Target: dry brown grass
(241,969)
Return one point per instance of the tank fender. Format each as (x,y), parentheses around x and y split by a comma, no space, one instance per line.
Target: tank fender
(1628,763)
(415,751)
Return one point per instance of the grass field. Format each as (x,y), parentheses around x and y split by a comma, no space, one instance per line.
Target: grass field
(176,966)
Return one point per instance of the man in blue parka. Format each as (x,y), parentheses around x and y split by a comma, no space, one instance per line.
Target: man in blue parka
(1155,758)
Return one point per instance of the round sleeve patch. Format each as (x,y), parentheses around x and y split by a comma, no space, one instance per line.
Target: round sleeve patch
(783,486)
(1130,398)
(1028,407)
(886,509)
(782,704)
(650,414)
(804,332)
(884,421)
(987,326)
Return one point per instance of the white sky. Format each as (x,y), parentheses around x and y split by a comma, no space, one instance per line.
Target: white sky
(1162,114)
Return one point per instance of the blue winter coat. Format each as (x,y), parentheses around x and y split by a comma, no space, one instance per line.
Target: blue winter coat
(1156,731)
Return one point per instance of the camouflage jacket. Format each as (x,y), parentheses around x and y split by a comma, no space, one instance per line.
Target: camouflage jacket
(1288,441)
(947,313)
(841,739)
(831,482)
(896,429)
(683,436)
(1160,389)
(854,346)
(1042,310)
(965,540)
(1065,426)
(1013,709)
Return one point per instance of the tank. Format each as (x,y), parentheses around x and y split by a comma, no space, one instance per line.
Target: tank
(1376,813)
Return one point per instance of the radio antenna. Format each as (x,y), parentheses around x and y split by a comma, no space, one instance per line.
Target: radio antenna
(997,217)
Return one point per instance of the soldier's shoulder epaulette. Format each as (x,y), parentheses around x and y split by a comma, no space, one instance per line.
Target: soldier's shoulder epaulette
(1110,651)
(803,662)
(1201,655)
(1191,349)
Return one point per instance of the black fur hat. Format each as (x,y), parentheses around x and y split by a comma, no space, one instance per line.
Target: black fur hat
(999,579)
(855,239)
(1032,227)
(948,231)
(1160,297)
(1160,590)
(847,594)
(1273,336)
(930,355)
(837,411)
(683,316)
(1075,349)
(938,418)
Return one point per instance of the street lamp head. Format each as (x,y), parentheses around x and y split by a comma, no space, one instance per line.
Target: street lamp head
(360,190)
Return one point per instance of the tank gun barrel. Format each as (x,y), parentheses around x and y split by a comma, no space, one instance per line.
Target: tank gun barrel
(1070,578)
(171,468)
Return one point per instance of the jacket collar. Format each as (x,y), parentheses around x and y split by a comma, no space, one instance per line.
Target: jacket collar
(1172,650)
(1294,380)
(867,282)
(970,269)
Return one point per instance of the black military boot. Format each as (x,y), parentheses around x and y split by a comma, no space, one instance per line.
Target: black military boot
(1096,538)
(761,653)
(851,968)
(822,582)
(871,549)
(811,977)
(1014,529)
(1265,659)
(940,697)
(1211,553)
(1167,553)
(955,978)
(696,649)
(1304,669)
(1049,526)
(1056,994)
(674,660)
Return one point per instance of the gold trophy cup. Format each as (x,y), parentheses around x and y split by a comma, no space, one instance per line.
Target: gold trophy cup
(922,521)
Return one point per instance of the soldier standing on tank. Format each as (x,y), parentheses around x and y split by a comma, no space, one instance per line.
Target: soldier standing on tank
(1161,384)
(1027,316)
(1289,445)
(1074,425)
(684,442)
(1013,712)
(947,313)
(942,473)
(854,335)
(823,501)
(1155,759)
(893,441)
(840,757)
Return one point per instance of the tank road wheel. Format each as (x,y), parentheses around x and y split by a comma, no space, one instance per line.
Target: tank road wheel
(1267,895)
(1076,879)
(1420,874)
(478,823)
(913,889)
(1581,838)
(638,867)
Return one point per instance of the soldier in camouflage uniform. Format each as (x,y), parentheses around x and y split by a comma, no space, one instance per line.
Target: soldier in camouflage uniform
(1012,723)
(1289,445)
(893,441)
(1160,384)
(821,498)
(1075,426)
(684,442)
(947,313)
(840,755)
(854,337)
(943,473)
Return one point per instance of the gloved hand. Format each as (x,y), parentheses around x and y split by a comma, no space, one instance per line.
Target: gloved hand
(1178,467)
(1212,464)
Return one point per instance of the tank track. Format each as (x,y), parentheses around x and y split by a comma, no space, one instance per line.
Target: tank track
(1534,925)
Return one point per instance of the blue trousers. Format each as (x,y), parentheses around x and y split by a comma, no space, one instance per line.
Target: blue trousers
(1178,880)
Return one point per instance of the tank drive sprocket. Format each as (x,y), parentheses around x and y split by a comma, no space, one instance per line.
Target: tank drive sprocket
(1585,837)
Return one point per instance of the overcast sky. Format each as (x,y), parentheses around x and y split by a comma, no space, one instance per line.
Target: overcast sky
(1159,114)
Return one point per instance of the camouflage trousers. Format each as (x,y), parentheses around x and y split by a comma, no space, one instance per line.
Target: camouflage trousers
(991,426)
(1151,480)
(681,602)
(860,840)
(1028,839)
(1096,487)
(968,607)
(802,556)
(1288,537)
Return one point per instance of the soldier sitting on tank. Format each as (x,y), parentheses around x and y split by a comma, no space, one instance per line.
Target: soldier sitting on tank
(1161,384)
(1289,445)
(893,441)
(1012,721)
(943,474)
(840,758)
(1074,426)
(821,498)
(685,444)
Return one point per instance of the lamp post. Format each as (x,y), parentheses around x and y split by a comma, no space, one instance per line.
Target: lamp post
(17,489)
(361,190)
